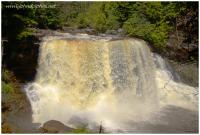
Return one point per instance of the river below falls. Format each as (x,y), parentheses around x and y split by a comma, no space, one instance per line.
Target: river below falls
(170,119)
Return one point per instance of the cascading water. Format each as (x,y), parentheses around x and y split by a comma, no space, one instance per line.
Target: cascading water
(171,90)
(101,80)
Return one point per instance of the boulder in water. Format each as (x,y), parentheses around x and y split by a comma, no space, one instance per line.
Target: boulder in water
(54,126)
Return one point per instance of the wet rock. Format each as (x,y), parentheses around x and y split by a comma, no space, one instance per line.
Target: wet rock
(120,31)
(54,126)
(113,32)
(187,71)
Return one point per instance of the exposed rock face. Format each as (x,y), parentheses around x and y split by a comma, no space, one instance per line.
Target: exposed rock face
(54,126)
(188,72)
(179,48)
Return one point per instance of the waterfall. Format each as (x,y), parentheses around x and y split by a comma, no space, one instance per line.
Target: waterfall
(102,80)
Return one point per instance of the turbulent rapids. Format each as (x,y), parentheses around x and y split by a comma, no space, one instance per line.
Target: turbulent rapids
(93,81)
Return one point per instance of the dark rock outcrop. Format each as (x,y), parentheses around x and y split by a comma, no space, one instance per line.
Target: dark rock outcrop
(187,71)
(179,48)
(54,126)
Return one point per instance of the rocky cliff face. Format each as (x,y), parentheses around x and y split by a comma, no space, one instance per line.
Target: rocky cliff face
(180,49)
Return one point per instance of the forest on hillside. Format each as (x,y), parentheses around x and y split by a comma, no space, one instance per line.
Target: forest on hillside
(151,21)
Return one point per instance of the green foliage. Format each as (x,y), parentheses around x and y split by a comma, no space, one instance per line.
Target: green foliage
(152,21)
(151,10)
(7,83)
(18,21)
(96,17)
(7,87)
(25,20)
(73,13)
(25,33)
(48,18)
(112,22)
(137,25)
(81,130)
(81,21)
(113,18)
(159,36)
